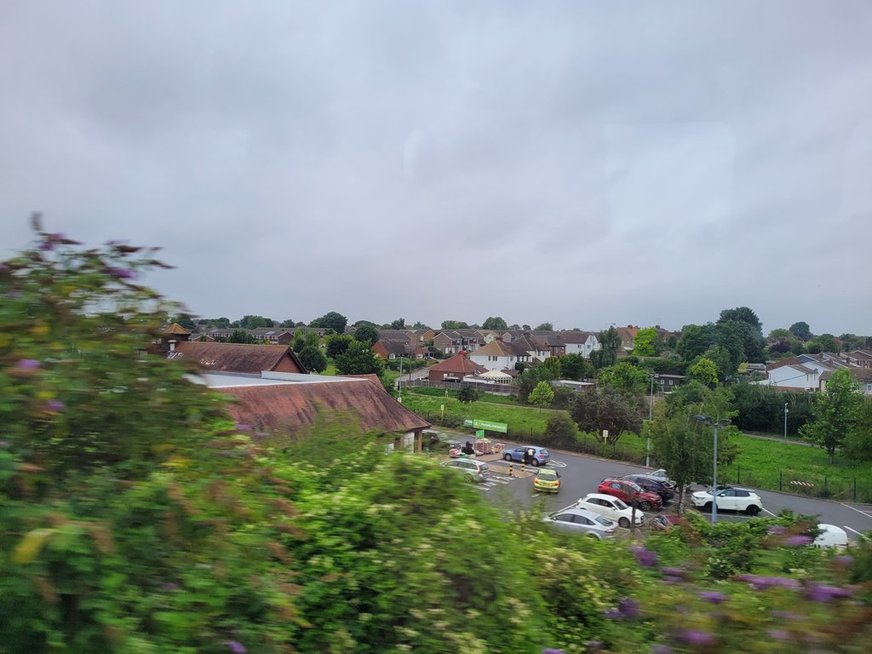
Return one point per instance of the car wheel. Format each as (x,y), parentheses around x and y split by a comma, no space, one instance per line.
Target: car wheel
(467,477)
(645,506)
(508,457)
(535,463)
(624,522)
(707,507)
(593,535)
(753,510)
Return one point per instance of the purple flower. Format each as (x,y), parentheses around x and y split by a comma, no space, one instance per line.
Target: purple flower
(713,596)
(777,530)
(778,634)
(551,650)
(674,573)
(235,646)
(628,608)
(28,364)
(822,593)
(797,541)
(54,406)
(762,583)
(696,637)
(843,559)
(4,267)
(121,273)
(242,426)
(786,615)
(645,557)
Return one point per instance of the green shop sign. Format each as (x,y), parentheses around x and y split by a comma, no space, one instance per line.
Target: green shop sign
(501,427)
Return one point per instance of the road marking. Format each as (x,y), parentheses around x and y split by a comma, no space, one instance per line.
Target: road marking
(848,506)
(536,494)
(556,464)
(769,512)
(854,530)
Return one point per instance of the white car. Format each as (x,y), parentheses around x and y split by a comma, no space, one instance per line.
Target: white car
(611,507)
(729,498)
(582,521)
(831,536)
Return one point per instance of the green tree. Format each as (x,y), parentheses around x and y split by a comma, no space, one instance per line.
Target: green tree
(835,412)
(331,320)
(610,409)
(858,440)
(184,320)
(337,344)
(624,377)
(610,343)
(646,342)
(542,395)
(575,366)
(801,330)
(561,430)
(241,336)
(529,378)
(554,365)
(703,370)
(545,327)
(313,358)
(399,323)
(468,394)
(454,324)
(358,359)
(287,324)
(743,315)
(253,322)
(495,322)
(823,343)
(366,334)
(680,446)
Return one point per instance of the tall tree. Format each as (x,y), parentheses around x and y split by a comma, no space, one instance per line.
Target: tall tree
(495,322)
(624,377)
(823,343)
(399,323)
(331,320)
(313,358)
(858,440)
(545,327)
(607,408)
(366,334)
(241,336)
(554,365)
(801,330)
(835,412)
(610,343)
(454,324)
(575,366)
(337,344)
(253,322)
(542,395)
(358,359)
(646,342)
(704,371)
(744,315)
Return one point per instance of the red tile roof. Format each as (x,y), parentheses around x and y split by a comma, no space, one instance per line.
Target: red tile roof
(459,364)
(287,408)
(238,357)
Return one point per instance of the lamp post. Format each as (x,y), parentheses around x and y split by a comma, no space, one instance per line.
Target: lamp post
(786,410)
(708,420)
(650,418)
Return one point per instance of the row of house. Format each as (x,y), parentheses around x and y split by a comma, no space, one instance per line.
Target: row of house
(810,372)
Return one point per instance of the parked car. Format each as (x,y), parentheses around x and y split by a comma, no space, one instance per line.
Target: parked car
(665,522)
(541,456)
(664,488)
(582,521)
(471,469)
(546,481)
(630,491)
(729,498)
(610,507)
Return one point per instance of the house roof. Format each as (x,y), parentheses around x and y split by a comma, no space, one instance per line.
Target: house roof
(176,330)
(234,357)
(289,407)
(395,347)
(459,364)
(494,349)
(574,336)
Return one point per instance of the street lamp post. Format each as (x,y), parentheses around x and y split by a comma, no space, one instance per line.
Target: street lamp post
(650,418)
(786,410)
(715,424)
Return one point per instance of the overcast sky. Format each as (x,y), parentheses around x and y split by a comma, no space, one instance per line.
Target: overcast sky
(585,164)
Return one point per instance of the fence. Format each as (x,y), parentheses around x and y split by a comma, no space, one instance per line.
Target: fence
(844,488)
(497,389)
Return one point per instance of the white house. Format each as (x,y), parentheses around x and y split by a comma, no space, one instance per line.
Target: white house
(580,342)
(497,355)
(793,375)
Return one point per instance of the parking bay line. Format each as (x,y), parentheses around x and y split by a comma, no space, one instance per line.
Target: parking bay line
(769,512)
(848,506)
(854,530)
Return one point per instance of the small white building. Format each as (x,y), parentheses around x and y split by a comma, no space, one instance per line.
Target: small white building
(580,342)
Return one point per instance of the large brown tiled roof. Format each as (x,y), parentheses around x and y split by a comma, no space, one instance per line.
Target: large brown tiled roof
(459,364)
(176,329)
(235,357)
(494,349)
(287,408)
(574,336)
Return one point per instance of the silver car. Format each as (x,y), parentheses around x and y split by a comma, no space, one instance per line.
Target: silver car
(582,521)
(471,469)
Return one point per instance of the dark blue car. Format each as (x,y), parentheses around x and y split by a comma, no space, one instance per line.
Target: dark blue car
(516,454)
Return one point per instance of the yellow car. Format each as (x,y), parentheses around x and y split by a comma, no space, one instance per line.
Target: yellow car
(546,481)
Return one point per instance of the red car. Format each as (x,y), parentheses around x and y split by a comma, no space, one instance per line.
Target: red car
(628,491)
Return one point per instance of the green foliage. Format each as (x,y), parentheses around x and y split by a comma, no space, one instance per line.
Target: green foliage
(337,344)
(468,394)
(835,412)
(743,315)
(528,379)
(542,395)
(607,408)
(253,322)
(554,364)
(367,334)
(495,322)
(704,371)
(665,365)
(610,343)
(562,430)
(761,408)
(575,366)
(454,324)
(241,336)
(358,359)
(646,342)
(313,358)
(823,343)
(858,440)
(545,327)
(801,330)
(331,320)
(625,377)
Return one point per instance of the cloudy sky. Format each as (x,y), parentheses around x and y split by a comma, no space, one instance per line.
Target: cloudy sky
(583,163)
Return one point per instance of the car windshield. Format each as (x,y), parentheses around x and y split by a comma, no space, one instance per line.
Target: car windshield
(620,504)
(543,452)
(605,522)
(482,466)
(547,474)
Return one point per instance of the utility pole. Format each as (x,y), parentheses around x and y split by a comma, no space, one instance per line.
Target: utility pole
(786,410)
(650,418)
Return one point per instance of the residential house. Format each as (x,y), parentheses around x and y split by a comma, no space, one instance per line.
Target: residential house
(580,342)
(863,376)
(497,355)
(548,343)
(454,369)
(628,338)
(668,383)
(237,357)
(275,335)
(859,358)
(792,374)
(392,349)
(452,341)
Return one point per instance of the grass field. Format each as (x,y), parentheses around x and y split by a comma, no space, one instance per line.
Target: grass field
(761,463)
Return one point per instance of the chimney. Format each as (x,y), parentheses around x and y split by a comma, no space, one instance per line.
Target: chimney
(173,345)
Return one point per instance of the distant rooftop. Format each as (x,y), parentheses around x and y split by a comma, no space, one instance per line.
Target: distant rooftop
(265,378)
